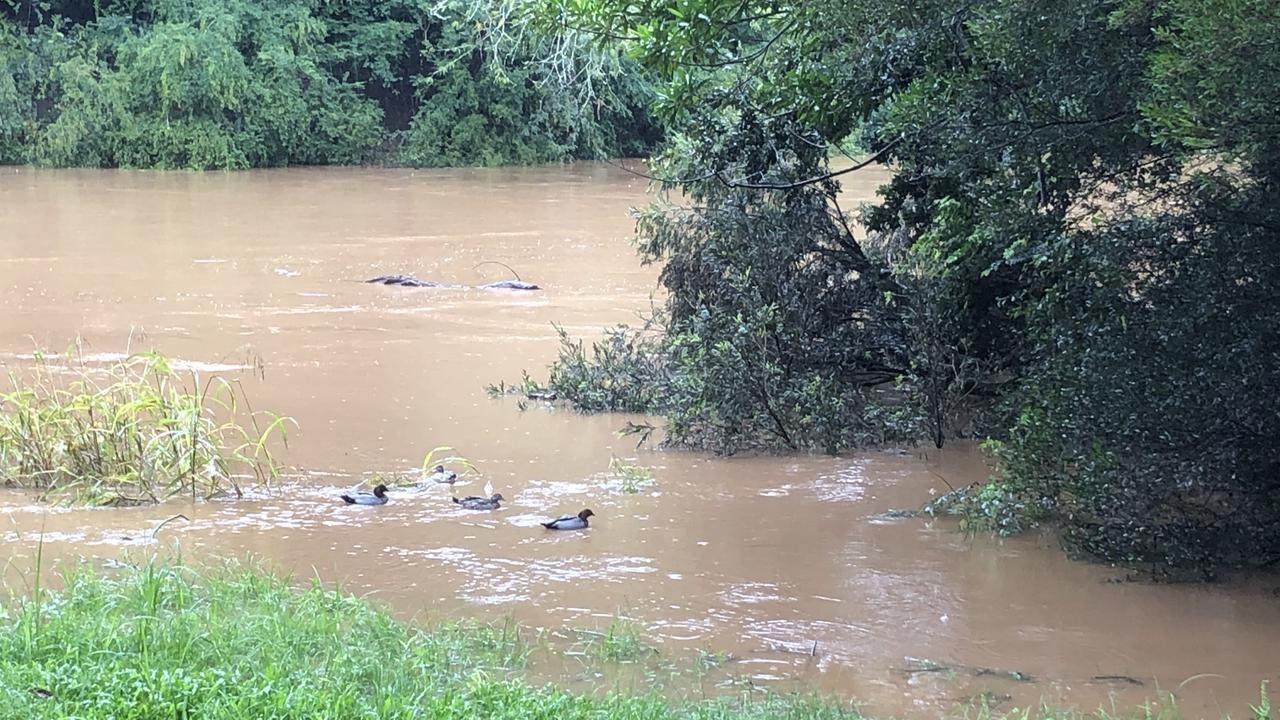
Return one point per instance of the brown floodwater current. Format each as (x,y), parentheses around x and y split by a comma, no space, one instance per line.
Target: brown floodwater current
(783,562)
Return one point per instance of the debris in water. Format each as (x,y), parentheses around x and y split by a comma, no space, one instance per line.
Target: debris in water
(1013,675)
(922,665)
(1118,679)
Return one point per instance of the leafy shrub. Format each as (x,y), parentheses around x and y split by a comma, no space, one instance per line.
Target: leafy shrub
(625,372)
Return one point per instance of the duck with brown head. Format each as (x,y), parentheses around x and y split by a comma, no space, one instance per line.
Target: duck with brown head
(569,522)
(475,502)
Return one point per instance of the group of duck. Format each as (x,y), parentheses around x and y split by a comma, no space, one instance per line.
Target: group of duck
(472,502)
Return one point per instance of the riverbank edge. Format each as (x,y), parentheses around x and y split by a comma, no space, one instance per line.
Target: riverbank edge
(167,640)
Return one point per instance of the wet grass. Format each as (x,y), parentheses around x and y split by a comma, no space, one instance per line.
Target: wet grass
(1165,710)
(132,432)
(416,479)
(164,641)
(436,456)
(631,478)
(622,641)
(708,660)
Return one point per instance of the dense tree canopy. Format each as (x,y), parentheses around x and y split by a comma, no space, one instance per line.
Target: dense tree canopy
(212,84)
(1077,255)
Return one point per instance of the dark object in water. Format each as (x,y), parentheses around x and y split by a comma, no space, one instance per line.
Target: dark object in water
(510,285)
(411,281)
(475,502)
(1117,679)
(377,497)
(548,395)
(403,281)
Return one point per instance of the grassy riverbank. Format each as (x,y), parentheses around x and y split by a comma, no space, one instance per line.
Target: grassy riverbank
(164,642)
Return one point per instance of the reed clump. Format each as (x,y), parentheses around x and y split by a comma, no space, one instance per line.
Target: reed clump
(134,431)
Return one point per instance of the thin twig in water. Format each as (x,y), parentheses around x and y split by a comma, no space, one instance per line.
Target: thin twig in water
(495,262)
(1197,677)
(166,522)
(938,475)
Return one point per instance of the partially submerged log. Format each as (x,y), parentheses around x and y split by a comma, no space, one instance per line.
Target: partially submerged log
(411,281)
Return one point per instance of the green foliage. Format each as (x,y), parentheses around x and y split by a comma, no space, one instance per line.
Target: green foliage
(779,330)
(991,507)
(511,109)
(527,387)
(203,84)
(1213,76)
(130,433)
(15,93)
(1077,248)
(624,372)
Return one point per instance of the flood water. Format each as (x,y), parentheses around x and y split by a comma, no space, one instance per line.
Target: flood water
(780,561)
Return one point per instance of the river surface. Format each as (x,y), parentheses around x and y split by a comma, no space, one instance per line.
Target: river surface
(783,562)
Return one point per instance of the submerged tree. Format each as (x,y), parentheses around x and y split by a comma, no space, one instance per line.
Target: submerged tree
(1081,229)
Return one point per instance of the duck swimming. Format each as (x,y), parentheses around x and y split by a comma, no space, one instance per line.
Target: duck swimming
(442,476)
(377,497)
(569,522)
(475,502)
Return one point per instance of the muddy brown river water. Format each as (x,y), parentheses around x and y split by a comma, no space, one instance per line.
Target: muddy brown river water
(780,561)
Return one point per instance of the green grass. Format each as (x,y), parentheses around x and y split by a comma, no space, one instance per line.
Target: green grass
(135,431)
(163,642)
(622,642)
(166,642)
(631,478)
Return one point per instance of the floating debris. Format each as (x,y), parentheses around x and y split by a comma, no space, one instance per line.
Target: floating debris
(1117,679)
(915,665)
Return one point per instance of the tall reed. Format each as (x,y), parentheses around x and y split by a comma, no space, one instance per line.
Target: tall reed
(135,431)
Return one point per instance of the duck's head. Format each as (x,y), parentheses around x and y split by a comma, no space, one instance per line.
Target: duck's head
(496,497)
(585,514)
(380,491)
